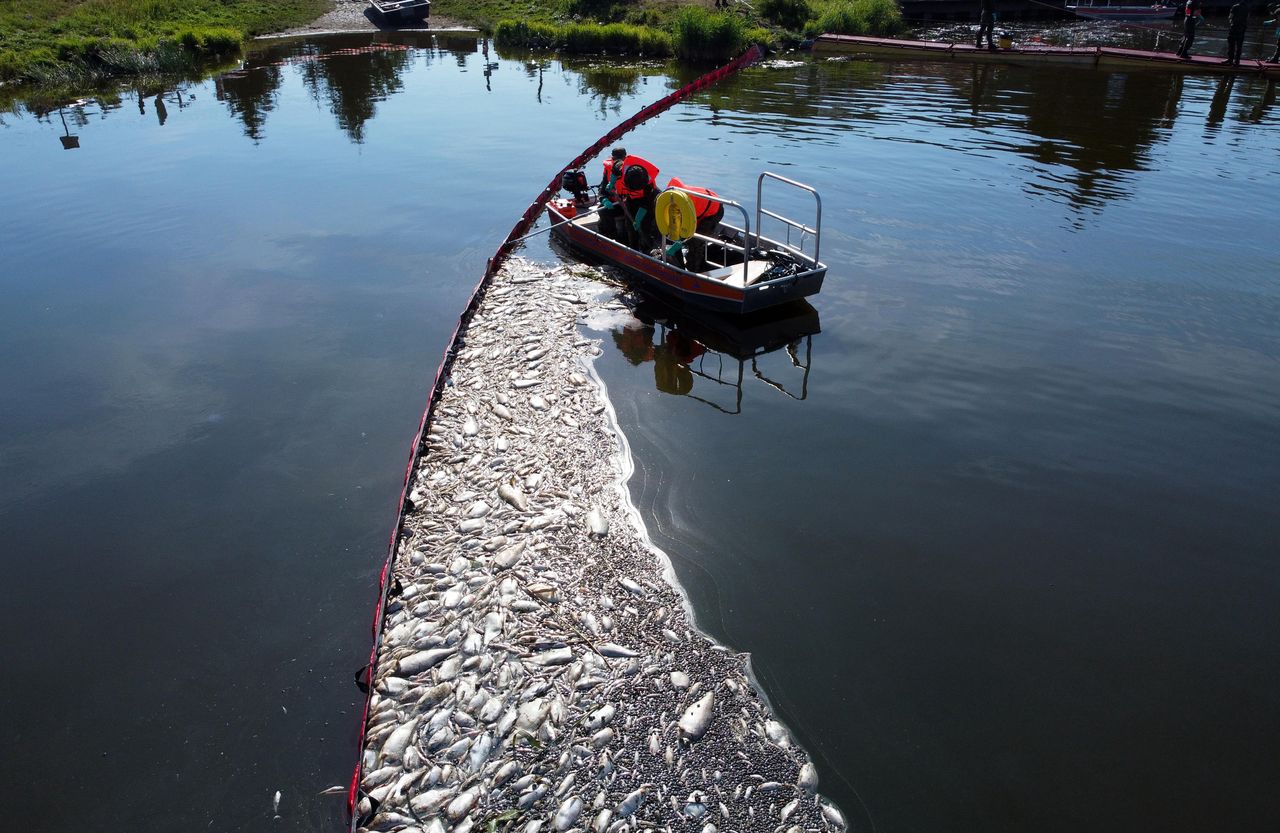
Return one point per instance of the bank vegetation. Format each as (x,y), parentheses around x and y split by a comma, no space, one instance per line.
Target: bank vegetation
(69,42)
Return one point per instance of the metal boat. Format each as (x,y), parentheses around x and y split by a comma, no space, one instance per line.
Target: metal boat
(745,272)
(402,11)
(1109,11)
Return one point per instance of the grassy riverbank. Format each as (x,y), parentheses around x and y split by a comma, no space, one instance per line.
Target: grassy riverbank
(70,42)
(63,41)
(658,28)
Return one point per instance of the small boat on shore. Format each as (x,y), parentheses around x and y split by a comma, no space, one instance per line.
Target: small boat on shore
(400,11)
(745,271)
(1118,11)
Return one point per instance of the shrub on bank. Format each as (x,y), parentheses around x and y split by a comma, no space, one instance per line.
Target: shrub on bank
(93,40)
(857,17)
(702,35)
(789,14)
(583,39)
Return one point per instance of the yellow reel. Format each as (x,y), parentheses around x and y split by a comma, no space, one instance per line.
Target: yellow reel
(675,215)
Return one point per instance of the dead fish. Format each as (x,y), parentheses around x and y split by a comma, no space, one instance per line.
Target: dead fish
(568,813)
(513,496)
(519,384)
(470,428)
(597,523)
(422,661)
(631,586)
(833,815)
(509,557)
(275,804)
(556,656)
(502,412)
(808,780)
(601,717)
(614,650)
(777,733)
(398,741)
(696,718)
(632,802)
(462,805)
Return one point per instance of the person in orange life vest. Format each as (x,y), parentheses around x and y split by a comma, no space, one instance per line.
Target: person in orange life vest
(610,210)
(638,195)
(693,252)
(1189,23)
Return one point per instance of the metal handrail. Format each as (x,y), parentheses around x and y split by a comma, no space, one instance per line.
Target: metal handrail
(760,211)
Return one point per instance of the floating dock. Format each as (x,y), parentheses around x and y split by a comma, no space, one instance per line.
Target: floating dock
(1100,57)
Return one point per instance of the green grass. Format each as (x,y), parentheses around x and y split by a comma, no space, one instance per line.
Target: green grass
(65,42)
(789,14)
(47,41)
(584,38)
(856,17)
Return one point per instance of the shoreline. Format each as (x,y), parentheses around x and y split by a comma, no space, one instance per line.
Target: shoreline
(539,668)
(349,16)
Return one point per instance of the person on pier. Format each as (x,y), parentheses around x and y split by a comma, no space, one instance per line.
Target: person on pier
(986,22)
(1190,20)
(1237,20)
(1274,11)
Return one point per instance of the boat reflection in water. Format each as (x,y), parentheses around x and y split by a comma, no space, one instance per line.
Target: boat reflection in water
(685,347)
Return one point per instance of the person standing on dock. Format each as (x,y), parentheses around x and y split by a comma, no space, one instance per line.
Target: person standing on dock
(986,22)
(1237,20)
(1274,11)
(1190,20)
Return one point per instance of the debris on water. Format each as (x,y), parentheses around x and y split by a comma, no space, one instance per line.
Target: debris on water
(535,671)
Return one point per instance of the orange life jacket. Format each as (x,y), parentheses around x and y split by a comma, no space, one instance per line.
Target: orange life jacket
(650,168)
(703,208)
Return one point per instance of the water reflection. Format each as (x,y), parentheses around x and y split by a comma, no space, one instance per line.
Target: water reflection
(249,95)
(69,142)
(705,350)
(1086,131)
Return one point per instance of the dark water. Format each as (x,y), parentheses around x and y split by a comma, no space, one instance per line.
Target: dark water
(1004,551)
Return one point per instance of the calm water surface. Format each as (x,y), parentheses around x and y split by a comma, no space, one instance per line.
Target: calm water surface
(996,519)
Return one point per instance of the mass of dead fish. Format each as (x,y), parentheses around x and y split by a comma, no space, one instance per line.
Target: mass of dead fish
(535,671)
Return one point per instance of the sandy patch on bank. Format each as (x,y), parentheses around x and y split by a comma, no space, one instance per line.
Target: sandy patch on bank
(357,16)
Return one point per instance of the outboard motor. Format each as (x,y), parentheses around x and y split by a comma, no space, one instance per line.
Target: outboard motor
(575,182)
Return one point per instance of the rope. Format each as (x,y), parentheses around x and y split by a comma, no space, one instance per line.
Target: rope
(530,216)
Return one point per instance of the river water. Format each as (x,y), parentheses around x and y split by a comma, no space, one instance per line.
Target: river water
(996,518)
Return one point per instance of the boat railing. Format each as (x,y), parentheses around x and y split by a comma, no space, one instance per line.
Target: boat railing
(815,229)
(746,219)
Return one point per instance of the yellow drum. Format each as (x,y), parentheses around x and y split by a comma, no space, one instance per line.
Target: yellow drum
(675,215)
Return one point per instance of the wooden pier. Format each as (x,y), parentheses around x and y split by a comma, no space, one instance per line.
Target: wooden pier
(1101,57)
